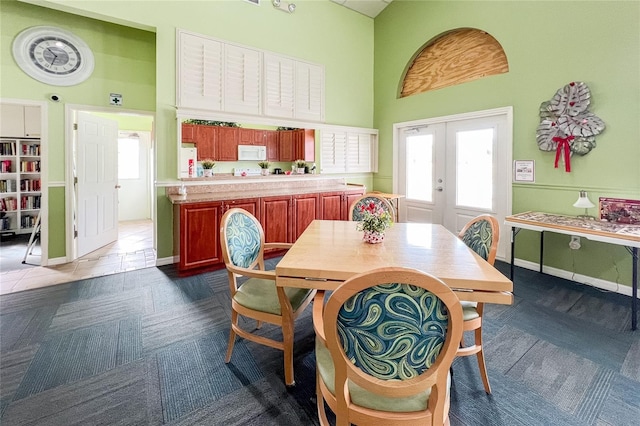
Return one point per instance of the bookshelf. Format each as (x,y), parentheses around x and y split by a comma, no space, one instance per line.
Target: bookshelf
(20,184)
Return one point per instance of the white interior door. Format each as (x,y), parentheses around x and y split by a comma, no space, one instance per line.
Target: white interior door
(97,188)
(455,170)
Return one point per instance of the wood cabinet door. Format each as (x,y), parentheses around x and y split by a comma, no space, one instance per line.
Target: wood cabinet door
(205,140)
(200,235)
(227,143)
(306,208)
(276,219)
(285,144)
(305,142)
(189,132)
(252,205)
(251,137)
(349,198)
(271,140)
(331,207)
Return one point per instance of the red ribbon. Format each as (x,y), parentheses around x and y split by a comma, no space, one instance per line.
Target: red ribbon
(563,143)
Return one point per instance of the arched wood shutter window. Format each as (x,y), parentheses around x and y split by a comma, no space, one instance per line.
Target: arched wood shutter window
(452,58)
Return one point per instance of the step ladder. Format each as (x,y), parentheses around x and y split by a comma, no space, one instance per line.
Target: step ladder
(35,237)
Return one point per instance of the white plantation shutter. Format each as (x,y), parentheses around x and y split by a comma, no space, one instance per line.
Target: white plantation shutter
(242,79)
(334,152)
(309,91)
(359,152)
(200,72)
(279,75)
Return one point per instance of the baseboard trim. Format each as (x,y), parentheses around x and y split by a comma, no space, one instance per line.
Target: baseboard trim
(163,261)
(56,261)
(582,279)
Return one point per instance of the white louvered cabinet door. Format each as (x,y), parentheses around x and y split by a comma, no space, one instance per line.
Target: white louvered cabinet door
(242,77)
(199,72)
(333,152)
(278,88)
(359,152)
(309,92)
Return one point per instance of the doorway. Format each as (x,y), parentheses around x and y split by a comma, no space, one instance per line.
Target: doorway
(451,169)
(125,193)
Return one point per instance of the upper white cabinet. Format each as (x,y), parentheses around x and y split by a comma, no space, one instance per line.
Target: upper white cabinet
(242,80)
(200,72)
(20,121)
(350,150)
(219,76)
(309,89)
(279,86)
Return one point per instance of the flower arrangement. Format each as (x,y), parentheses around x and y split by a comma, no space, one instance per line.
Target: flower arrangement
(374,218)
(300,164)
(264,164)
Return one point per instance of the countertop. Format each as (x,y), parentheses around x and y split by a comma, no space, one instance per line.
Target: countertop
(202,197)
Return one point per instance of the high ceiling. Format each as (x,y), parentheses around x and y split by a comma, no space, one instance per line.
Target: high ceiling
(370,8)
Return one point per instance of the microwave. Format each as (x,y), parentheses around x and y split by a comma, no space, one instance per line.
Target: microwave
(252,153)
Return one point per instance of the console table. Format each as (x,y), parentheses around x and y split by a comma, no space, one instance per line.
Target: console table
(612,233)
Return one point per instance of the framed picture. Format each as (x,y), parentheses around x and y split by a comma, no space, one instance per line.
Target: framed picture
(524,171)
(619,210)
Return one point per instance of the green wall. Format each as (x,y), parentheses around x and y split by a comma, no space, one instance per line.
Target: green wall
(130,61)
(548,44)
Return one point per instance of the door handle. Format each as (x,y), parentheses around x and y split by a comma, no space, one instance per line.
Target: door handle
(439,189)
(118,186)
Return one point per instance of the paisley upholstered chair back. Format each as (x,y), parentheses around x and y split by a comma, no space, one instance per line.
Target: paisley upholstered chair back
(391,334)
(481,234)
(393,331)
(355,211)
(244,238)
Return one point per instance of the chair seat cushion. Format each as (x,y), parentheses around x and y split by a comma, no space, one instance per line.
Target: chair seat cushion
(364,398)
(469,310)
(261,295)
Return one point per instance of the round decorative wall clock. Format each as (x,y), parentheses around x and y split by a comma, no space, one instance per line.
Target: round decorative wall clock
(53,56)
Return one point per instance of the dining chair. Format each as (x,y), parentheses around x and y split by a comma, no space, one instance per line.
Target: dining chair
(258,298)
(385,341)
(481,234)
(355,212)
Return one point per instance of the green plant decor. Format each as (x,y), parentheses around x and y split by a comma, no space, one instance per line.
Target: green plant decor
(211,123)
(301,164)
(264,164)
(208,164)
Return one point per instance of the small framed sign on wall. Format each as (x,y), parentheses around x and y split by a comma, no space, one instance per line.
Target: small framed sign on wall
(524,171)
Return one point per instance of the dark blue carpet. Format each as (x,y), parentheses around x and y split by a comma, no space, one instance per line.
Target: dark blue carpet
(147,347)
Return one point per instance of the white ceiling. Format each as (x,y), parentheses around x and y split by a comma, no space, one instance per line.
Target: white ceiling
(370,8)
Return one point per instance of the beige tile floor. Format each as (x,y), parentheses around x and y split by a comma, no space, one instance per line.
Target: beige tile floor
(133,250)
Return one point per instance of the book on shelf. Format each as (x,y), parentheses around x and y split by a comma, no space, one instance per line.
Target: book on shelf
(7,185)
(8,148)
(8,204)
(5,166)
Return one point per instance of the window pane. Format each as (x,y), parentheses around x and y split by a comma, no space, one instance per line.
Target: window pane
(128,158)
(419,163)
(474,168)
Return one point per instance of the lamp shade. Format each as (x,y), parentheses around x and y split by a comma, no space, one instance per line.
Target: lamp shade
(583,201)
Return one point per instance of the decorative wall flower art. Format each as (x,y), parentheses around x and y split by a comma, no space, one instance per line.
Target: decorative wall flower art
(566,125)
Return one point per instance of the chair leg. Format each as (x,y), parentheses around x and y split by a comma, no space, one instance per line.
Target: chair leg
(232,335)
(287,335)
(481,363)
(322,415)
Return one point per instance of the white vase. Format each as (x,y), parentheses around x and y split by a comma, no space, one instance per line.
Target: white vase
(300,170)
(208,172)
(264,172)
(373,237)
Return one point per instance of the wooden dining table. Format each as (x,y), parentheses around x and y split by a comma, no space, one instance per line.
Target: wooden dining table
(329,252)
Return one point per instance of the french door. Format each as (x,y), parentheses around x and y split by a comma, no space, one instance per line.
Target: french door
(455,169)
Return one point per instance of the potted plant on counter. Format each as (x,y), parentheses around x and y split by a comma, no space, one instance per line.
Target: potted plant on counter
(264,165)
(300,165)
(207,165)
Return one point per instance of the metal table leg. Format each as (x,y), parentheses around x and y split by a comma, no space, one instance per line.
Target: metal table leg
(634,289)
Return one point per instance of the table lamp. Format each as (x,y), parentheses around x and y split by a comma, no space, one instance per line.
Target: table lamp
(584,203)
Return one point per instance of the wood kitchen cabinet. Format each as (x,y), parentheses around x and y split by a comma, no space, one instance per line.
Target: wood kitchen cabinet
(286,146)
(251,137)
(271,140)
(199,234)
(306,208)
(252,205)
(305,144)
(188,134)
(227,144)
(276,219)
(335,205)
(205,140)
